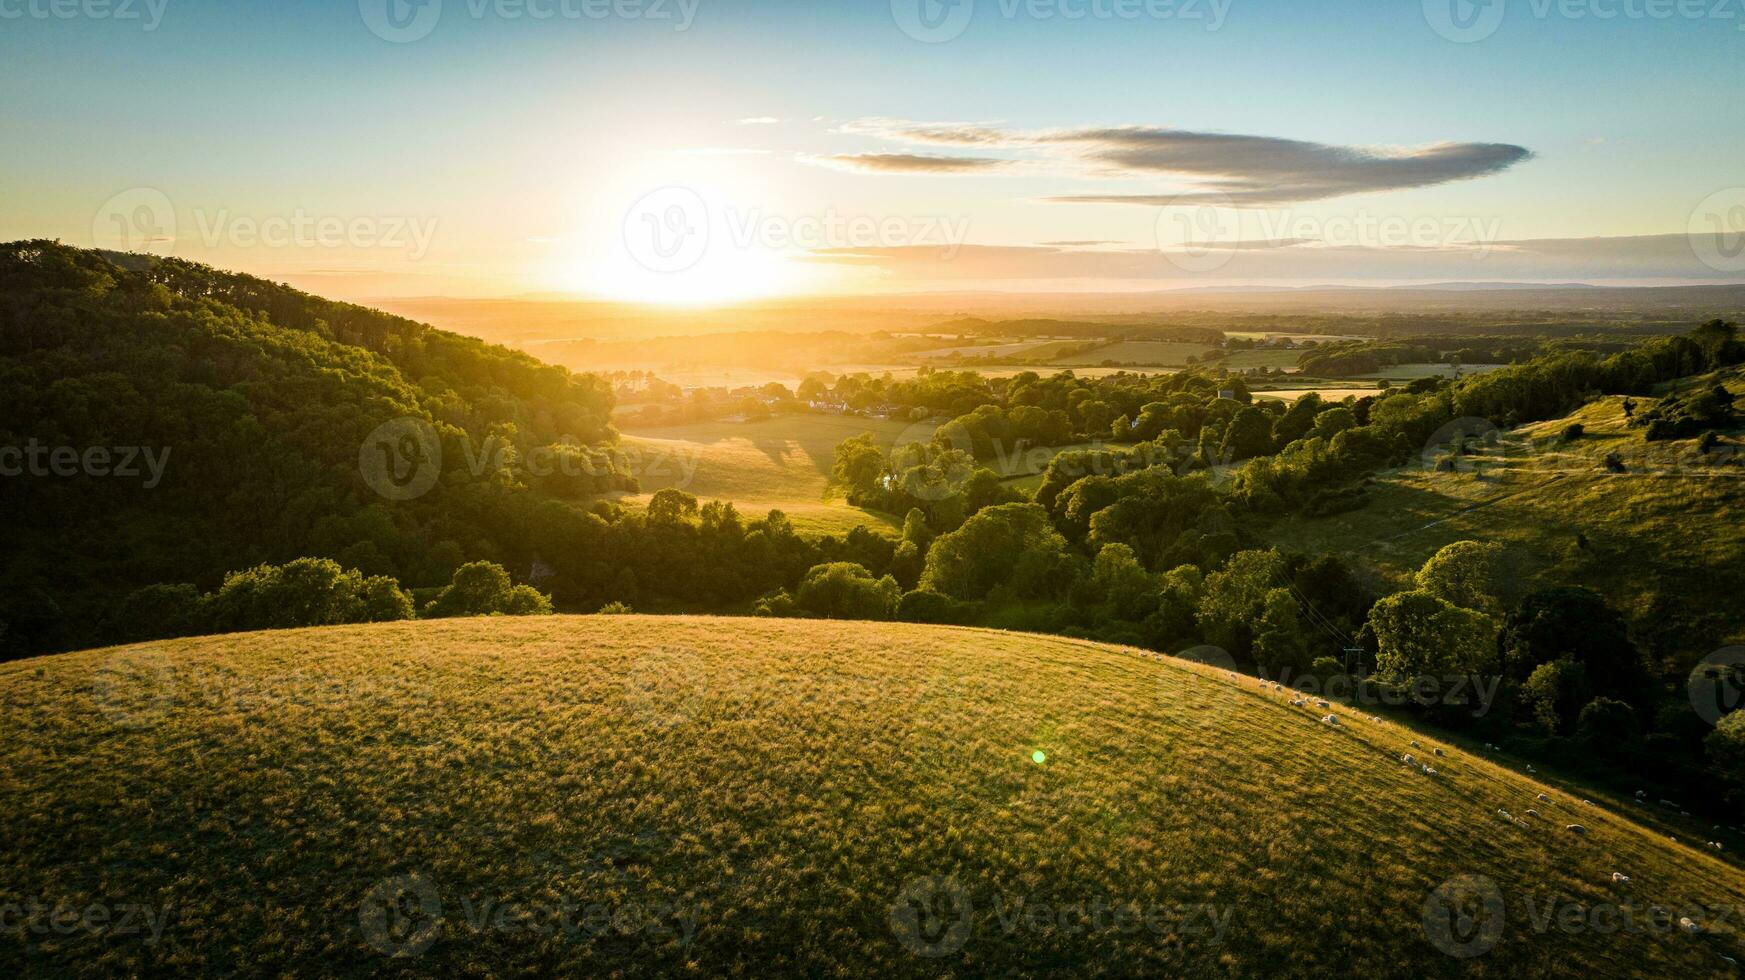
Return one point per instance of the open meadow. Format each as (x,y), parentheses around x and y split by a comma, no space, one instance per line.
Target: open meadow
(658,796)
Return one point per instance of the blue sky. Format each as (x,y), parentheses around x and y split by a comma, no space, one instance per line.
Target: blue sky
(524,143)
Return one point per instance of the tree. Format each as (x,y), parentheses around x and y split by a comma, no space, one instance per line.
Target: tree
(1248,435)
(1467,574)
(1420,635)
(1278,635)
(1123,583)
(845,590)
(304,592)
(1554,692)
(1609,725)
(1007,547)
(483,588)
(1572,622)
(1234,598)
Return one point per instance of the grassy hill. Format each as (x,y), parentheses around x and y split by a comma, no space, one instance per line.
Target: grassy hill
(708,796)
(1660,540)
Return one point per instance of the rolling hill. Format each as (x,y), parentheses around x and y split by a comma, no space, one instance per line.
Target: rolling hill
(658,796)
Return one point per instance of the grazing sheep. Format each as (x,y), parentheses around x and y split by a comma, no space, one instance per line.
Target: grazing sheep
(1575,828)
(1669,803)
(1429,771)
(1330,720)
(1530,768)
(1687,925)
(1620,878)
(1298,703)
(1715,844)
(1414,743)
(1640,794)
(1437,751)
(1408,760)
(1543,798)
(1322,703)
(1504,813)
(1532,813)
(1587,802)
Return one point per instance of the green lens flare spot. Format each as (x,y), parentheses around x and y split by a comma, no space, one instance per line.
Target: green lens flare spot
(1039,757)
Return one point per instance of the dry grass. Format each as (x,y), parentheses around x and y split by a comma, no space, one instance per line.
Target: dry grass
(773,787)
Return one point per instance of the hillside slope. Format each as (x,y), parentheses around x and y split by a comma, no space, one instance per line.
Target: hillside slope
(1661,540)
(719,796)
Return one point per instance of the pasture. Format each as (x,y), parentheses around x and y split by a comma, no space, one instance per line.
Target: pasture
(636,796)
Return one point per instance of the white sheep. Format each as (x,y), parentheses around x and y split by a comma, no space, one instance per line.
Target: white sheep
(1687,925)
(1322,703)
(1437,751)
(1641,794)
(1408,760)
(1575,828)
(1532,813)
(1715,844)
(1330,720)
(1587,802)
(1530,768)
(1429,771)
(1298,703)
(1620,878)
(1543,798)
(1414,743)
(1505,814)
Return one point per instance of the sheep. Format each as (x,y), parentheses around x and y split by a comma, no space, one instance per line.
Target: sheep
(1685,923)
(1298,703)
(1641,794)
(1505,814)
(1330,720)
(1530,768)
(1587,802)
(1408,760)
(1669,803)
(1575,828)
(1429,771)
(1532,813)
(1414,743)
(1715,844)
(1618,877)
(1322,703)
(1437,751)
(1543,798)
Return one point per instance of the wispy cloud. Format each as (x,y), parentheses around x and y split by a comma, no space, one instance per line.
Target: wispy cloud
(909,163)
(759,121)
(1238,169)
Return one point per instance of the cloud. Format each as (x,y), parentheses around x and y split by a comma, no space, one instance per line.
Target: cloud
(909,163)
(721,151)
(759,121)
(1239,170)
(1641,258)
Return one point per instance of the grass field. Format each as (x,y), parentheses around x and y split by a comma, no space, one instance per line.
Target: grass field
(1241,360)
(782,462)
(659,796)
(1412,372)
(1145,353)
(1563,519)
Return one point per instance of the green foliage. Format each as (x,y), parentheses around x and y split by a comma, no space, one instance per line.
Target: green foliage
(1575,624)
(1468,574)
(845,590)
(1011,548)
(1237,596)
(1420,635)
(304,592)
(1555,692)
(483,588)
(1123,583)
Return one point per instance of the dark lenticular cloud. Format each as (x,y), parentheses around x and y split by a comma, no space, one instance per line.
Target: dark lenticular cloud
(1223,167)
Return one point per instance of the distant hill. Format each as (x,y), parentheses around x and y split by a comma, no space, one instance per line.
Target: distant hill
(175,422)
(639,796)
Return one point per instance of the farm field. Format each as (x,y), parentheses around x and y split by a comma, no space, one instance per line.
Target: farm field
(1333,391)
(1279,360)
(783,462)
(1562,517)
(798,798)
(1146,353)
(1412,372)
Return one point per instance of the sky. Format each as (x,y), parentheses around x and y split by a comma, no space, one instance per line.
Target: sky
(699,151)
